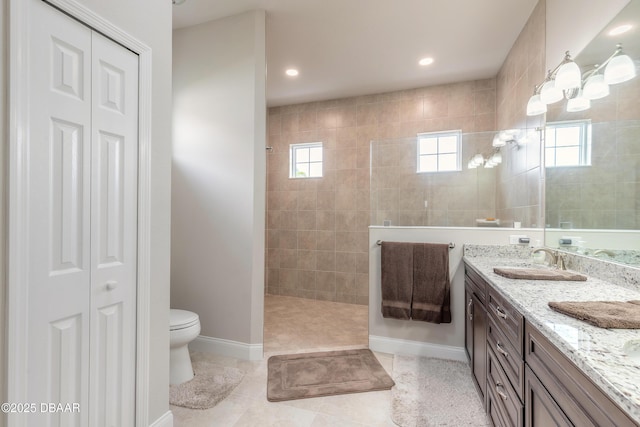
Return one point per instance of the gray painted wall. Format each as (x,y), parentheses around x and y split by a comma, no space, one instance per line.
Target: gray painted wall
(219,170)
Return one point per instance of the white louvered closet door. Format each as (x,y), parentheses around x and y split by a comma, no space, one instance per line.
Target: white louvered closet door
(82,222)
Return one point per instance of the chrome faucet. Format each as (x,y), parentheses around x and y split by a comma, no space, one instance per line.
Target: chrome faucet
(556,259)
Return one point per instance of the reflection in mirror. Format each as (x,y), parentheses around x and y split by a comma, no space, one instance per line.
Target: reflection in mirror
(592,157)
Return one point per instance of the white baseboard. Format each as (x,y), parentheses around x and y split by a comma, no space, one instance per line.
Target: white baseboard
(227,348)
(416,348)
(166,420)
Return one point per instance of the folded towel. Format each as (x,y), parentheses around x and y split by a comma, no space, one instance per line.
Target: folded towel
(430,302)
(397,279)
(538,274)
(604,314)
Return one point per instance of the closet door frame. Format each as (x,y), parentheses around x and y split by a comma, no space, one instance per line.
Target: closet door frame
(17,253)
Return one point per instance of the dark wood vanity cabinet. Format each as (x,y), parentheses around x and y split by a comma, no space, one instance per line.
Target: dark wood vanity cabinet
(476,328)
(527,380)
(580,402)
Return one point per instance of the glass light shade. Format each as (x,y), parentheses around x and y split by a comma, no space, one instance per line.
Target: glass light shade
(489,165)
(496,158)
(568,76)
(550,93)
(478,159)
(595,87)
(620,69)
(535,106)
(498,142)
(579,103)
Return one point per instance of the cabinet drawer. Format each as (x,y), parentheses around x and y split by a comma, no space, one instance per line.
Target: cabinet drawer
(502,399)
(584,403)
(476,283)
(511,362)
(507,318)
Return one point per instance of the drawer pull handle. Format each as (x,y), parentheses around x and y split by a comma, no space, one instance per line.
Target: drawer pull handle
(501,313)
(469,307)
(501,350)
(501,393)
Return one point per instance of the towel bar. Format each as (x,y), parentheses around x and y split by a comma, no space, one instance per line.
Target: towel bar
(451,245)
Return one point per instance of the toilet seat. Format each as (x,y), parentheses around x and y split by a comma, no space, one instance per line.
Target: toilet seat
(182,319)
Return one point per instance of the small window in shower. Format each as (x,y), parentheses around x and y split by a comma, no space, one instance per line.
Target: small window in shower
(305,160)
(567,144)
(439,151)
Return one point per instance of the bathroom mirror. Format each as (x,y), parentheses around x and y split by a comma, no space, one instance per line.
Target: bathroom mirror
(592,199)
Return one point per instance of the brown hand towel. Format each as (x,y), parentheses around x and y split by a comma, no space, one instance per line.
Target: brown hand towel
(538,274)
(604,314)
(430,301)
(397,279)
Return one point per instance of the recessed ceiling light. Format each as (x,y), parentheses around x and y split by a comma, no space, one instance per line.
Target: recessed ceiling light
(620,29)
(425,61)
(291,72)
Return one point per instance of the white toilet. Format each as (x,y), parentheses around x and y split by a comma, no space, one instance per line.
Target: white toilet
(184,327)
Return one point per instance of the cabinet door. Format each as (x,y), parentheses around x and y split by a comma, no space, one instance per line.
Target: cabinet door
(479,361)
(541,409)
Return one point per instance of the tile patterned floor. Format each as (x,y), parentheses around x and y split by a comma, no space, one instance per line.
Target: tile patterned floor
(297,325)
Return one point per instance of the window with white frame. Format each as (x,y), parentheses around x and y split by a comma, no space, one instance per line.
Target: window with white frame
(567,144)
(439,151)
(305,160)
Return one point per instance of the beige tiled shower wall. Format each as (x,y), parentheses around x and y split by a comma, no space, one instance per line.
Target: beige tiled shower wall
(520,191)
(317,228)
(449,199)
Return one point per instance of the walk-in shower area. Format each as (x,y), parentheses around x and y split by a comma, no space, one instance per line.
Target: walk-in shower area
(455,179)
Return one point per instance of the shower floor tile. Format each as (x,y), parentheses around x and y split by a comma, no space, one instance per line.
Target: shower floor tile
(294,325)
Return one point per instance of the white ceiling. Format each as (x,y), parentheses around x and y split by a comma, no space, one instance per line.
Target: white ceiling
(357,47)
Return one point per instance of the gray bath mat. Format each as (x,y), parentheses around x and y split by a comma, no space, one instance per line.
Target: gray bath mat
(303,375)
(434,392)
(210,385)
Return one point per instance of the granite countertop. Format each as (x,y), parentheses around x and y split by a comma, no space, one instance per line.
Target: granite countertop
(597,352)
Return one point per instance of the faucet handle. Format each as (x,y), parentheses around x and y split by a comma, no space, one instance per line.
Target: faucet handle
(560,262)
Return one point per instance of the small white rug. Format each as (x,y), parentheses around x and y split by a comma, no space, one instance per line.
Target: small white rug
(211,384)
(434,392)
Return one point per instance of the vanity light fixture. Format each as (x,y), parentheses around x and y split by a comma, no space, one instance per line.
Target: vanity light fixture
(595,87)
(620,68)
(489,162)
(550,93)
(565,77)
(579,103)
(566,81)
(506,136)
(535,106)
